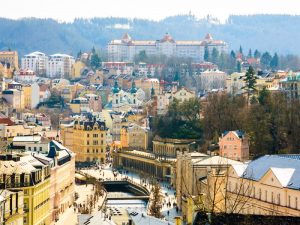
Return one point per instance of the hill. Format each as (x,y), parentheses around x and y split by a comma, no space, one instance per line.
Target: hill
(275,33)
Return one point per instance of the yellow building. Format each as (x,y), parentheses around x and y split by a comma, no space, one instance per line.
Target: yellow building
(270,186)
(31,95)
(13,130)
(87,139)
(10,57)
(138,138)
(159,163)
(97,78)
(24,172)
(183,94)
(14,97)
(5,70)
(193,180)
(76,69)
(11,207)
(124,137)
(62,163)
(79,105)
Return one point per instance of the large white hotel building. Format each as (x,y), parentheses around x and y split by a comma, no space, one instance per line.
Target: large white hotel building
(126,48)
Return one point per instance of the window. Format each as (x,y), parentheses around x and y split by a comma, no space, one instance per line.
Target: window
(296,203)
(88,135)
(87,142)
(272,197)
(278,199)
(266,195)
(88,150)
(289,201)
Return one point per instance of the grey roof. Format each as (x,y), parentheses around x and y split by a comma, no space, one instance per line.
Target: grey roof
(259,167)
(238,133)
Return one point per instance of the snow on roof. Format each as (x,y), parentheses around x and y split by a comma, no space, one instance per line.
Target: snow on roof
(285,167)
(27,139)
(217,160)
(239,169)
(284,175)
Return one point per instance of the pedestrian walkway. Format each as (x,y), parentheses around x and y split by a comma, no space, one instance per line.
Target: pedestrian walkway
(169,210)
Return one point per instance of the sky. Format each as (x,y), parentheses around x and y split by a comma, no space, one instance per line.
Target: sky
(67,10)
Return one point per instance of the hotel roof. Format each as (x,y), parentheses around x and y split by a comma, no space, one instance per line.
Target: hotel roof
(285,167)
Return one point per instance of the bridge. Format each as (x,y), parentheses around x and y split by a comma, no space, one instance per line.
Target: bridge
(139,191)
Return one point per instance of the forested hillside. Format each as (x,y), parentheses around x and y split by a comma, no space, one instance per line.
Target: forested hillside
(275,33)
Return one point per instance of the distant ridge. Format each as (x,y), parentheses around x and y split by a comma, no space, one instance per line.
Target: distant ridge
(278,33)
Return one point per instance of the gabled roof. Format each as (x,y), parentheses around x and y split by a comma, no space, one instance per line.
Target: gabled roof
(283,175)
(239,169)
(285,168)
(238,133)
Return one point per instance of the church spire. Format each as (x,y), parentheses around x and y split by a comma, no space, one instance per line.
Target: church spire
(152,91)
(133,88)
(116,88)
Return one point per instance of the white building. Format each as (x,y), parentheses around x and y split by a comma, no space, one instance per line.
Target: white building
(25,76)
(211,79)
(35,61)
(59,65)
(127,48)
(119,98)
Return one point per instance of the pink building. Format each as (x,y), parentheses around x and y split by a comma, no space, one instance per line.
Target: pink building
(234,145)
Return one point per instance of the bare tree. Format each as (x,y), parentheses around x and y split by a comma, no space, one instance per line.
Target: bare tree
(156,201)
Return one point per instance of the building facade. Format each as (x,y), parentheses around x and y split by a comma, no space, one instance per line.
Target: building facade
(291,85)
(127,48)
(234,145)
(24,172)
(87,139)
(60,65)
(35,61)
(11,207)
(270,184)
(10,57)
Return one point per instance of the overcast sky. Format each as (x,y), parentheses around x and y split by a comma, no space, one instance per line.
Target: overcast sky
(67,10)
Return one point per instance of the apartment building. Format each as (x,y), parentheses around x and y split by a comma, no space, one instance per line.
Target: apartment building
(26,173)
(87,139)
(60,66)
(11,207)
(35,61)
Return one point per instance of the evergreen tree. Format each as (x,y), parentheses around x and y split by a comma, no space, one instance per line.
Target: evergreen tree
(176,77)
(250,53)
(250,82)
(257,54)
(274,62)
(266,59)
(232,54)
(206,54)
(95,61)
(241,50)
(215,56)
(239,67)
(79,54)
(93,50)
